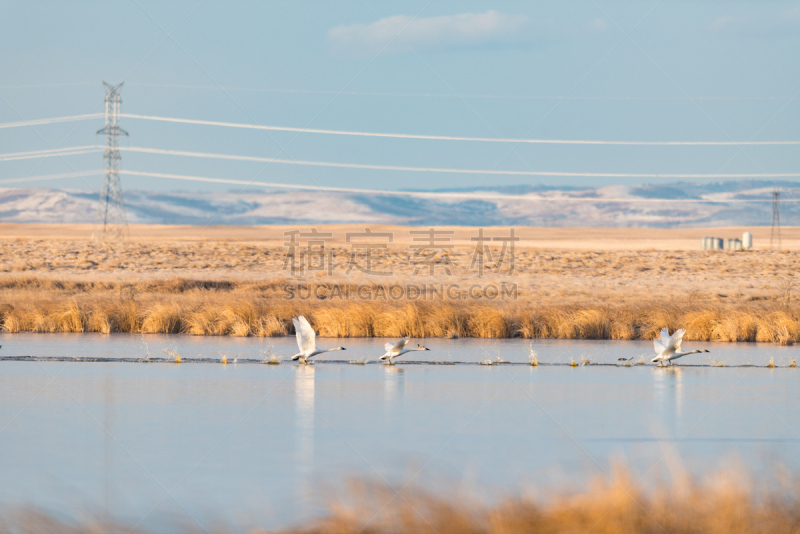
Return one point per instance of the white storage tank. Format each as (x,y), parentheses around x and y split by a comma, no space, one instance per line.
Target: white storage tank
(718,243)
(747,241)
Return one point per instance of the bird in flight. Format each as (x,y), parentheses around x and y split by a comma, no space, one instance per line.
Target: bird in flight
(668,347)
(306,340)
(393,350)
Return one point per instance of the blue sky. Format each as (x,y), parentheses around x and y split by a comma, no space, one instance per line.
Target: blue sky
(641,71)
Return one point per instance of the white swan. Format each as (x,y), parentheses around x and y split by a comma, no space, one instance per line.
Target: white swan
(668,347)
(306,340)
(393,350)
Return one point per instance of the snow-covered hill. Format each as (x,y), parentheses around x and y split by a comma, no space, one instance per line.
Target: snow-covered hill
(670,205)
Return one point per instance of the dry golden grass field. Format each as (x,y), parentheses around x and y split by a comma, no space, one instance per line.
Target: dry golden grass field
(593,283)
(726,502)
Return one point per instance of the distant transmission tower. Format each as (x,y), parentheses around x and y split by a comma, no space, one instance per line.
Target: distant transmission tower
(775,234)
(111,221)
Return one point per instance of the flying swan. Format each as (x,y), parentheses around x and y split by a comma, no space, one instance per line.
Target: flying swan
(393,350)
(668,347)
(306,340)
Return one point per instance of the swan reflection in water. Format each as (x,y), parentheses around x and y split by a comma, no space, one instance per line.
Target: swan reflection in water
(304,418)
(669,391)
(394,379)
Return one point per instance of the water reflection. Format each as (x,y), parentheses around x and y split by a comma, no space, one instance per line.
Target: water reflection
(108,443)
(304,421)
(281,457)
(669,393)
(393,384)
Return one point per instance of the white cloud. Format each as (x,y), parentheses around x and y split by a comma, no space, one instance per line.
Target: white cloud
(759,25)
(420,33)
(597,25)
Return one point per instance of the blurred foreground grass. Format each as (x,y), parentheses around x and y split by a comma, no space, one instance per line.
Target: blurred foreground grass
(726,502)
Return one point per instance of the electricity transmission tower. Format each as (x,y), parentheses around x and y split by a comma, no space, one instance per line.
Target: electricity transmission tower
(111,221)
(776,220)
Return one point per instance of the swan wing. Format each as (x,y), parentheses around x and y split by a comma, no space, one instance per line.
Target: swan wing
(660,343)
(397,347)
(665,337)
(676,339)
(306,338)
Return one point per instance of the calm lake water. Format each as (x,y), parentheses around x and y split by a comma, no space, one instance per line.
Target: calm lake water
(267,444)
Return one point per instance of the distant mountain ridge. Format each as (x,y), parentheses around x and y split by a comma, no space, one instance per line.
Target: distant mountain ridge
(654,206)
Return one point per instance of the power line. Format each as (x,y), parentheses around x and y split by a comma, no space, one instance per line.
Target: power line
(34,154)
(452,195)
(45,177)
(71,118)
(456,138)
(37,122)
(72,151)
(210,155)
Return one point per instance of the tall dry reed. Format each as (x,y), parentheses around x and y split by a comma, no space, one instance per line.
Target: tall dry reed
(250,309)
